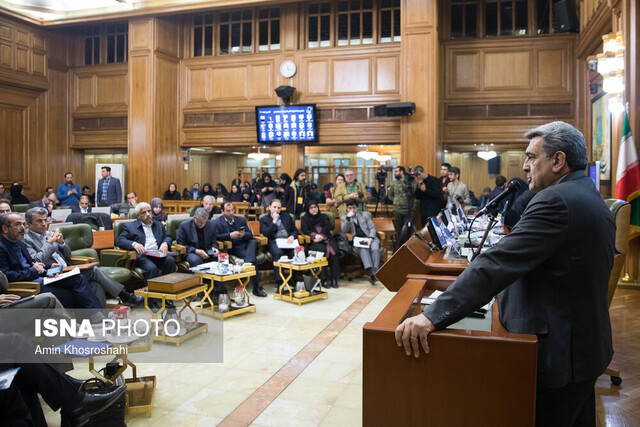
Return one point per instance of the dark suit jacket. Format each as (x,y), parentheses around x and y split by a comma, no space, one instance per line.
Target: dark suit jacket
(551,273)
(223,229)
(431,199)
(37,204)
(269,229)
(188,236)
(11,266)
(114,191)
(76,209)
(133,233)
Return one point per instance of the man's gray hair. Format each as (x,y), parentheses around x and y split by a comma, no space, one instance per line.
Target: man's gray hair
(561,136)
(418,169)
(31,214)
(209,198)
(141,206)
(201,213)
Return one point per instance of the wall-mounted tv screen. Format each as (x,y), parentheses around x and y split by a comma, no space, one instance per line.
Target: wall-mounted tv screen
(286,124)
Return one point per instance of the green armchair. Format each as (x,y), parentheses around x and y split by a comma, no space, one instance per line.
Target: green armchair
(172,230)
(128,258)
(79,237)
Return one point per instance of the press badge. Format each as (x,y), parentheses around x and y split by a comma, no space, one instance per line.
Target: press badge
(299,200)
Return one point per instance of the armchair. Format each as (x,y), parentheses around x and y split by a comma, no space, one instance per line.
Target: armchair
(22,289)
(355,270)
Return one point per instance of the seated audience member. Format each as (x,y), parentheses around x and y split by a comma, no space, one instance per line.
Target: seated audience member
(83,205)
(132,199)
(317,225)
(266,189)
(18,266)
(86,191)
(274,226)
(49,197)
(156,211)
(235,229)
(235,195)
(50,248)
(360,225)
(221,191)
(209,203)
(146,236)
(17,195)
(20,401)
(351,189)
(172,193)
(485,198)
(198,236)
(68,193)
(248,196)
(195,193)
(5,208)
(207,190)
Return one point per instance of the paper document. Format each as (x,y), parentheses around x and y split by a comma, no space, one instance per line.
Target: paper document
(360,242)
(161,255)
(62,276)
(284,243)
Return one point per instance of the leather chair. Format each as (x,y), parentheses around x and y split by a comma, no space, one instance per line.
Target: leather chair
(79,238)
(172,229)
(260,256)
(255,228)
(621,211)
(21,207)
(125,258)
(22,289)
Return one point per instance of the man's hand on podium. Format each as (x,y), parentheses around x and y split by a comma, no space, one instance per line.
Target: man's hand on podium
(413,332)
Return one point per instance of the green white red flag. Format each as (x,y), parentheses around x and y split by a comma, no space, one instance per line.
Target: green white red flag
(628,174)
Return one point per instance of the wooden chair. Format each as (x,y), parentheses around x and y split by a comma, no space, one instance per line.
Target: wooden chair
(22,289)
(621,211)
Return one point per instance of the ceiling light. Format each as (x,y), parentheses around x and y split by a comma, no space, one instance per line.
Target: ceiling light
(368,155)
(258,156)
(383,158)
(487,155)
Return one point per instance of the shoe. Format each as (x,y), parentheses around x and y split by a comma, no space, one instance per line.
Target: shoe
(258,291)
(335,283)
(91,404)
(130,299)
(372,279)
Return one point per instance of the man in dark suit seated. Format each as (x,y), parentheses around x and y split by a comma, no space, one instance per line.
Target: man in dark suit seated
(49,197)
(18,266)
(275,226)
(109,189)
(551,275)
(235,229)
(83,205)
(198,236)
(209,203)
(146,236)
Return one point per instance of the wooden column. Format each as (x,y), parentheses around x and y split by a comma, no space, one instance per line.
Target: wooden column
(154,151)
(419,64)
(292,158)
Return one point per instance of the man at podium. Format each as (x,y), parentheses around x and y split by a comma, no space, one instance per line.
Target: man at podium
(550,274)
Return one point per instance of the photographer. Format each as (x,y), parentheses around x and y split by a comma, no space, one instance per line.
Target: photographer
(295,198)
(350,190)
(429,194)
(401,193)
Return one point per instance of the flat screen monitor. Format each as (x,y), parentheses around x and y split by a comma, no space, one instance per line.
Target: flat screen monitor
(435,232)
(282,124)
(594,173)
(462,216)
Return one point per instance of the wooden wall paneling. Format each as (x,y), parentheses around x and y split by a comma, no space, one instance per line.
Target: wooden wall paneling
(387,72)
(549,73)
(100,90)
(475,172)
(508,70)
(487,131)
(22,55)
(229,84)
(92,158)
(292,158)
(290,26)
(167,151)
(317,77)
(419,53)
(351,76)
(14,154)
(466,70)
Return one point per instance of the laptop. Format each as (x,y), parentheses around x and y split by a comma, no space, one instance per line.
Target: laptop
(54,227)
(60,215)
(101,209)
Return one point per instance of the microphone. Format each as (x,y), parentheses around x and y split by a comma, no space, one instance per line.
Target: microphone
(511,188)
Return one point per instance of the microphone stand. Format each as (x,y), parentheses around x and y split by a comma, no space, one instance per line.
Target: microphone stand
(493,218)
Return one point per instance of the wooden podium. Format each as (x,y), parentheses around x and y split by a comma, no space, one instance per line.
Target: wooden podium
(468,378)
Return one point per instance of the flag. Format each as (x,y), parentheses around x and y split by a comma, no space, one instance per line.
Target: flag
(628,175)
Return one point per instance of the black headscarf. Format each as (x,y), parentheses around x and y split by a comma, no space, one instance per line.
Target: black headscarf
(285,179)
(16,195)
(207,190)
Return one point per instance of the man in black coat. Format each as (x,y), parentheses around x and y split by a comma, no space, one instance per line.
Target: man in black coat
(151,242)
(199,237)
(18,266)
(235,228)
(551,276)
(429,193)
(275,226)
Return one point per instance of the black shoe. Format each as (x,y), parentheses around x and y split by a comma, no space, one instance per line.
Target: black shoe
(372,279)
(130,299)
(91,404)
(335,283)
(258,291)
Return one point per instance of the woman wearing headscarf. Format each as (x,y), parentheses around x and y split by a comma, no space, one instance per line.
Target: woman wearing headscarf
(267,189)
(207,190)
(172,192)
(17,198)
(235,195)
(221,191)
(156,211)
(317,225)
(248,196)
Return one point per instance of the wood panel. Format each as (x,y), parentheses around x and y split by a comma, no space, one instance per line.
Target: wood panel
(515,69)
(23,56)
(351,76)
(230,83)
(100,90)
(490,131)
(12,167)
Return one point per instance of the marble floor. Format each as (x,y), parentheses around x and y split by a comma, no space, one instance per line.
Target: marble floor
(289,365)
